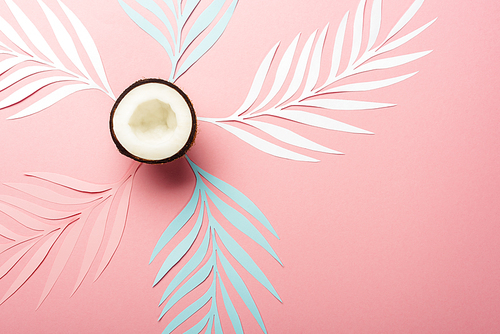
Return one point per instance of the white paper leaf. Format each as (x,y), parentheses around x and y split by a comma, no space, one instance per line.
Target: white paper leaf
(400,41)
(405,18)
(64,38)
(49,100)
(32,32)
(29,89)
(312,77)
(391,62)
(358,32)
(264,145)
(370,85)
(258,81)
(290,137)
(335,104)
(89,46)
(9,63)
(375,22)
(337,49)
(11,34)
(318,121)
(22,74)
(281,73)
(300,70)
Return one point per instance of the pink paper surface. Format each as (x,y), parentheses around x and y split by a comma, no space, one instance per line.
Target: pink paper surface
(400,234)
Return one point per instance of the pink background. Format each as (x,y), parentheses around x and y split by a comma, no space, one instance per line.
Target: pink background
(400,235)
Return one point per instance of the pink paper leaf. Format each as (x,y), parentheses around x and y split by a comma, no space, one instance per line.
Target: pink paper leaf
(37,210)
(71,183)
(33,264)
(49,195)
(24,219)
(94,243)
(63,256)
(117,227)
(14,259)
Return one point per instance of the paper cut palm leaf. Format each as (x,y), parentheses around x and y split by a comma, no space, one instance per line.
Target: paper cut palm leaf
(43,227)
(202,264)
(184,48)
(45,55)
(292,102)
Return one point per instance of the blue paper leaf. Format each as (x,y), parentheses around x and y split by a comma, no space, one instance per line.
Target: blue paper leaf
(209,325)
(202,22)
(231,311)
(242,289)
(196,329)
(191,309)
(188,268)
(148,27)
(209,41)
(182,248)
(237,196)
(159,13)
(199,277)
(242,223)
(176,224)
(244,259)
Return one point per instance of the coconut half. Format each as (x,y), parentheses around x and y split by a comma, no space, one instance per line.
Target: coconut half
(153,121)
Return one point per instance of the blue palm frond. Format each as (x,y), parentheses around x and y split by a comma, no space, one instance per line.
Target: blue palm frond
(184,48)
(209,259)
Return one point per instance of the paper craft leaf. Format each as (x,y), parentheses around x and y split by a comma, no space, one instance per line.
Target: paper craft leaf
(231,311)
(242,223)
(264,145)
(62,257)
(14,259)
(245,260)
(182,51)
(117,227)
(358,31)
(89,46)
(188,268)
(183,247)
(209,41)
(240,287)
(35,261)
(37,210)
(32,32)
(49,195)
(51,222)
(290,137)
(193,273)
(71,183)
(190,310)
(237,196)
(94,243)
(199,277)
(176,225)
(50,61)
(306,75)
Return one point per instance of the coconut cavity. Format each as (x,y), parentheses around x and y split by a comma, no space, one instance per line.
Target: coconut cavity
(153,121)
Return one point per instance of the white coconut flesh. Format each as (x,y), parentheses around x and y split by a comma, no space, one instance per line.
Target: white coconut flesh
(153,121)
